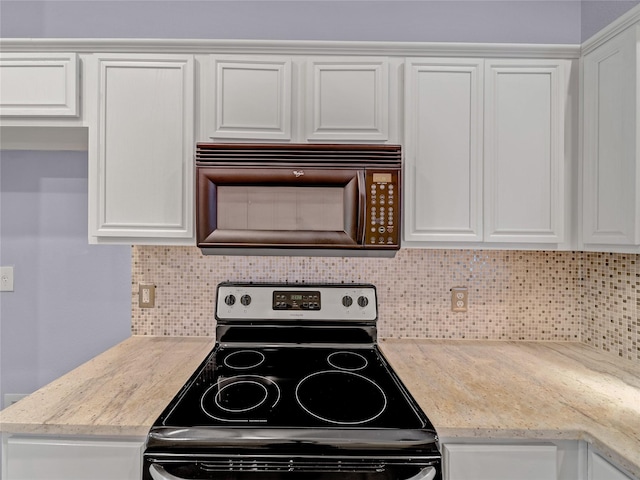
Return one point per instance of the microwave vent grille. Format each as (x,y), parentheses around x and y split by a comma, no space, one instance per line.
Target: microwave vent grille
(216,154)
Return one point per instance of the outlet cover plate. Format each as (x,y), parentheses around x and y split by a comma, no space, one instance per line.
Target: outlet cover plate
(146,295)
(459,299)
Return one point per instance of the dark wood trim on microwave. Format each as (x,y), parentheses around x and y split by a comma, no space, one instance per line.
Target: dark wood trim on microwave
(208,179)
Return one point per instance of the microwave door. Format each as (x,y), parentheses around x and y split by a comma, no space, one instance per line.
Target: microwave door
(272,207)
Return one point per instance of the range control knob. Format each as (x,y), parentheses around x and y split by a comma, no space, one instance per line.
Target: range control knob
(245,300)
(347,301)
(363,301)
(230,299)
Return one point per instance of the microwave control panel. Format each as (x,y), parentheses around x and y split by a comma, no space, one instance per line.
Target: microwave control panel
(383,204)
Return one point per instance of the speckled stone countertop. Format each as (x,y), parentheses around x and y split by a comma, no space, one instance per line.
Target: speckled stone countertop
(525,390)
(120,392)
(479,389)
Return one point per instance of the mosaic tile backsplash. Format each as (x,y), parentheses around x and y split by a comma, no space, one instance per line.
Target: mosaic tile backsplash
(513,295)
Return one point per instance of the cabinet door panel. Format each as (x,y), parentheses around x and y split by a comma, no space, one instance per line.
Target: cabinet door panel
(601,469)
(500,462)
(611,201)
(347,99)
(53,459)
(39,85)
(443,154)
(144,173)
(252,98)
(524,151)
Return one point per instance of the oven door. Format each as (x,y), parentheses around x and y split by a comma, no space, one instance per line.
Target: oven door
(318,468)
(280,206)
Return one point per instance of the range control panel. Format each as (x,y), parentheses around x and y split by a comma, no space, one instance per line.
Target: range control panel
(302,300)
(238,301)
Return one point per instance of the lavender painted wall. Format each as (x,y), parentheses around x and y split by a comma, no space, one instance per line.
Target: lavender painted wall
(81,301)
(502,21)
(598,14)
(517,21)
(72,300)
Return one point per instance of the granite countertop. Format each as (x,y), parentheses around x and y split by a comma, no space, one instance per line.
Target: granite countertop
(469,389)
(525,390)
(120,392)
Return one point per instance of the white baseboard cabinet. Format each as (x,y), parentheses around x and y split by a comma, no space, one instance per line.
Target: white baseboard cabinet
(492,459)
(71,458)
(500,462)
(601,469)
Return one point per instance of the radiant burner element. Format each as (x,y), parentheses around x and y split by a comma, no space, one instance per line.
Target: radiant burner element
(241,396)
(344,360)
(244,359)
(335,397)
(233,399)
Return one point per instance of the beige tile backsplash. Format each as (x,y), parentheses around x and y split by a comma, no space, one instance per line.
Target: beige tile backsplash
(513,295)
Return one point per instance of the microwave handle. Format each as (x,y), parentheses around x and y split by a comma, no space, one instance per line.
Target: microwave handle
(362,205)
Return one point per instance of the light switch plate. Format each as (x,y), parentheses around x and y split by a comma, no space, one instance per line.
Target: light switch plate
(6,279)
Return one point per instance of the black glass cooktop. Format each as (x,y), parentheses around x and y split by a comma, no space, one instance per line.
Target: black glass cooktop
(271,387)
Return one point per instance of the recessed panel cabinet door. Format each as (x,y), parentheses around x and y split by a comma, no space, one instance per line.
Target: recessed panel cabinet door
(250,98)
(141,160)
(611,183)
(524,161)
(601,469)
(500,462)
(34,458)
(443,150)
(347,99)
(39,85)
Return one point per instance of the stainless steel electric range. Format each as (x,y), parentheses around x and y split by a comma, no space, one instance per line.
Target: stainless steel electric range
(294,388)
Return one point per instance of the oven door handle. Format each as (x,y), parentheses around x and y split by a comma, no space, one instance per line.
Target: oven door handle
(159,473)
(428,473)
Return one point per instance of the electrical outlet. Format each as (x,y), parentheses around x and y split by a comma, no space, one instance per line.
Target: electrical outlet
(6,279)
(459,299)
(146,295)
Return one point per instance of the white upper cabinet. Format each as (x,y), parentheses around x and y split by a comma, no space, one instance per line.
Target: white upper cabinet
(141,148)
(524,161)
(294,99)
(39,85)
(485,158)
(347,99)
(443,149)
(249,98)
(611,152)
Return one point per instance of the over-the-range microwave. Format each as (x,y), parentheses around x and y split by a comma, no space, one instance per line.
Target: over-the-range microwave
(298,199)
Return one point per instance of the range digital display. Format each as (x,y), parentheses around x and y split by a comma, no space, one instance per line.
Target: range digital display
(283,300)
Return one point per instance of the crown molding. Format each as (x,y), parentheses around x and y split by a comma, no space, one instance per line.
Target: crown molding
(614,28)
(289,47)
